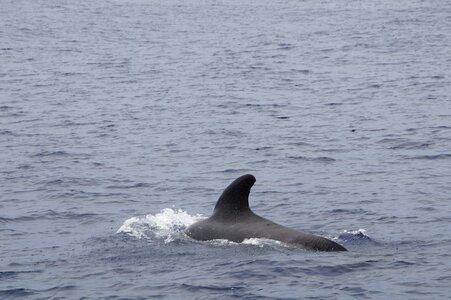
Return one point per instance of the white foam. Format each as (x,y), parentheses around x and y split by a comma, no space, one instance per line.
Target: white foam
(168,224)
(261,242)
(221,242)
(353,236)
(356,232)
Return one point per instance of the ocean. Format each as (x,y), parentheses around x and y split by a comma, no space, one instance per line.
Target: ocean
(122,121)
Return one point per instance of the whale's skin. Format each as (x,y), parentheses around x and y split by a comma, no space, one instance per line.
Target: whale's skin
(233,220)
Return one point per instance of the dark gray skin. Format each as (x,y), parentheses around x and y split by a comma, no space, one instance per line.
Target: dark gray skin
(233,220)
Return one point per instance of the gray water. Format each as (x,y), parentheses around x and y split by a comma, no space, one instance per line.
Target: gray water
(137,114)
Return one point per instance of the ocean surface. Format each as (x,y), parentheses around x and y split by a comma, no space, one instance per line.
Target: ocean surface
(121,122)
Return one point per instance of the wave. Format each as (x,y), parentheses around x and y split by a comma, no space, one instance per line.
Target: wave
(132,186)
(410,146)
(20,292)
(168,224)
(319,159)
(12,274)
(51,215)
(50,153)
(358,236)
(432,157)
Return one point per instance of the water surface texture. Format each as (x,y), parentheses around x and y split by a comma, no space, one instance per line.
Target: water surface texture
(121,122)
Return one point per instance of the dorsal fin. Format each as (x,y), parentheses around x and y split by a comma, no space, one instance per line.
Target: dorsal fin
(235,198)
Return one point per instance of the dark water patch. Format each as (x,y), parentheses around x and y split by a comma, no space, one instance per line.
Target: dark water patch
(6,220)
(431,157)
(72,181)
(108,126)
(6,108)
(327,49)
(440,127)
(225,132)
(271,105)
(214,288)
(133,186)
(302,144)
(68,74)
(324,159)
(69,123)
(89,275)
(8,274)
(54,182)
(388,219)
(26,121)
(14,293)
(355,291)
(366,173)
(285,46)
(50,153)
(333,104)
(50,215)
(235,171)
(261,162)
(426,208)
(43,85)
(24,167)
(390,140)
(15,265)
(8,132)
(12,274)
(22,292)
(402,264)
(349,211)
(446,278)
(123,270)
(410,146)
(16,115)
(61,288)
(301,71)
(264,148)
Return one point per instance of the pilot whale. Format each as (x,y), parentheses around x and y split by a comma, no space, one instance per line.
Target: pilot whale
(233,220)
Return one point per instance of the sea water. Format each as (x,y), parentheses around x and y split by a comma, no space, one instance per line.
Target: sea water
(121,122)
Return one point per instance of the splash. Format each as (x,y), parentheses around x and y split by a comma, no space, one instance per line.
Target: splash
(354,236)
(168,224)
(261,242)
(258,242)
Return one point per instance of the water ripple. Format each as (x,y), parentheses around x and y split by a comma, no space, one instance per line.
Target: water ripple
(50,215)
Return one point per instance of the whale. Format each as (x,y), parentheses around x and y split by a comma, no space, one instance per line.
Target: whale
(233,220)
